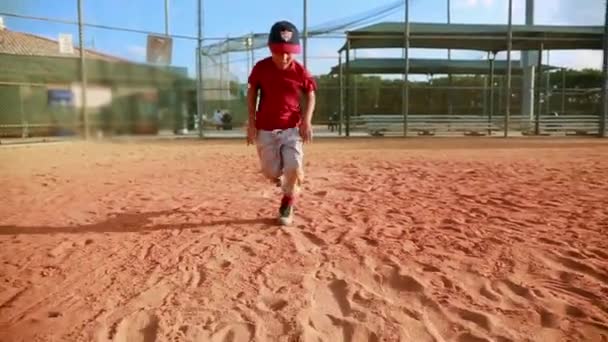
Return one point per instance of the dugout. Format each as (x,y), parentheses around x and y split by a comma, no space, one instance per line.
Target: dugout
(473,123)
(478,37)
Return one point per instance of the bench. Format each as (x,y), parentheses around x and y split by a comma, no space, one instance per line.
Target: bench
(567,124)
(427,125)
(473,125)
(33,129)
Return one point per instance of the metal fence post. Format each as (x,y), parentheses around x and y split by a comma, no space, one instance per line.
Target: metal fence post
(508,86)
(406,94)
(537,91)
(199,71)
(563,108)
(604,115)
(341,86)
(491,113)
(305,31)
(348,88)
(83,72)
(167,17)
(24,130)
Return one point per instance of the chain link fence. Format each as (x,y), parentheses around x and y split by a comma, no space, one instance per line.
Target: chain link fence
(142,79)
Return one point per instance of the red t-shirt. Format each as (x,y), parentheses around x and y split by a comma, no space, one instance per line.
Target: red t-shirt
(280,92)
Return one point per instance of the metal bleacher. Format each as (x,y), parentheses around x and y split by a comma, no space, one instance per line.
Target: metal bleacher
(473,125)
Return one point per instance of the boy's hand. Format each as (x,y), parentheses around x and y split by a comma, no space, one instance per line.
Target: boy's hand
(251,134)
(306,131)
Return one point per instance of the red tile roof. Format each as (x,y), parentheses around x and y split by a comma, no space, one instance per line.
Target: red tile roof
(19,43)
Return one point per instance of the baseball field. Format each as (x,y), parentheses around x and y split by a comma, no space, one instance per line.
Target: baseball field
(394,240)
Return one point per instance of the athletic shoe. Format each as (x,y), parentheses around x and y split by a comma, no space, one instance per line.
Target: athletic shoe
(286,211)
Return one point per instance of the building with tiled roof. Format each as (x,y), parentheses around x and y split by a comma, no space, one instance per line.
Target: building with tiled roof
(40,88)
(25,44)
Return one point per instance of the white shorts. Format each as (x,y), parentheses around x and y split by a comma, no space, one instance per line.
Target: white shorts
(280,151)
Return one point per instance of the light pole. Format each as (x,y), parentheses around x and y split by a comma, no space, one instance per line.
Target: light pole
(305,31)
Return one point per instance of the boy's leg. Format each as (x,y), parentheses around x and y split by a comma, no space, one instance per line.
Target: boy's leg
(292,155)
(269,153)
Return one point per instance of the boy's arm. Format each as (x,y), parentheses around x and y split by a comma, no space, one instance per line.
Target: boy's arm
(252,95)
(310,87)
(252,98)
(306,125)
(310,106)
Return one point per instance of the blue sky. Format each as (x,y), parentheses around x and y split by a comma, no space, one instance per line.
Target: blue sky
(234,18)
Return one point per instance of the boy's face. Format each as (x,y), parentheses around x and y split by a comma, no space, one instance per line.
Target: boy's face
(282,60)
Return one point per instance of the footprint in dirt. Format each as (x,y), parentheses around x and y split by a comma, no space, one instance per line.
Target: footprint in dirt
(481,320)
(339,289)
(332,328)
(401,282)
(305,242)
(330,315)
(582,267)
(548,319)
(232,332)
(515,289)
(61,249)
(236,332)
(273,303)
(487,292)
(193,276)
(138,327)
(468,337)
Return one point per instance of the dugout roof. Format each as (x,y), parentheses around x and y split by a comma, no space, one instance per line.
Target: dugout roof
(475,36)
(428,66)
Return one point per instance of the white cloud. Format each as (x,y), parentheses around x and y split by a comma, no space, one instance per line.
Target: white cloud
(369,53)
(473,3)
(136,51)
(568,12)
(579,59)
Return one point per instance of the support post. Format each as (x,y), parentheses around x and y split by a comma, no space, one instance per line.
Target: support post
(248,42)
(604,114)
(166,17)
(539,73)
(341,86)
(252,50)
(508,86)
(305,31)
(221,73)
(449,90)
(355,110)
(83,73)
(348,88)
(491,114)
(24,130)
(484,95)
(528,61)
(548,88)
(199,73)
(406,94)
(563,111)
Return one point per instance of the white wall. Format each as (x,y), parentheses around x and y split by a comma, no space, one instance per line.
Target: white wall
(97,96)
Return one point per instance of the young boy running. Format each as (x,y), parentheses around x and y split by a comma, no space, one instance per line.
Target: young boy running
(278,126)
